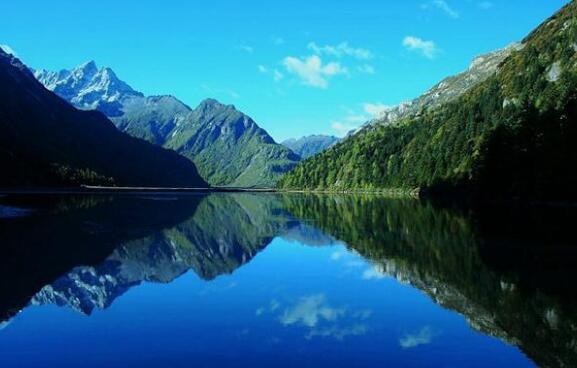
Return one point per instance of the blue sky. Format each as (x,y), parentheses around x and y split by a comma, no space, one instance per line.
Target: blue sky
(298,67)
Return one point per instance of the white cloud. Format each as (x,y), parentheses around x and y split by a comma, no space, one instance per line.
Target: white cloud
(338,333)
(354,119)
(366,68)
(341,50)
(272,307)
(9,50)
(427,48)
(348,123)
(320,319)
(343,129)
(246,48)
(443,6)
(276,75)
(423,337)
(311,71)
(309,311)
(374,273)
(375,109)
(336,256)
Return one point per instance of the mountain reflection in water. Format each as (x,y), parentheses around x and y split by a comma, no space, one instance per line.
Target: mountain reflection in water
(509,271)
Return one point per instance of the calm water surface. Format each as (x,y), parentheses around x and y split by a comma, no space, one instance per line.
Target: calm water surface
(237,280)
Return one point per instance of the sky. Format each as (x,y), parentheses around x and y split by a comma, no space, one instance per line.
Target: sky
(296,67)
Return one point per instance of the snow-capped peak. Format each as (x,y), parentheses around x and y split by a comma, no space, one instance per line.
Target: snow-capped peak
(87,86)
(87,68)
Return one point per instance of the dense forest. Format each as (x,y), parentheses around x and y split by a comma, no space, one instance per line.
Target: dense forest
(511,136)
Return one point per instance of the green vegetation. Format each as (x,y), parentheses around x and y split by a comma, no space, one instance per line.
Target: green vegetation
(230,149)
(46,142)
(510,136)
(227,147)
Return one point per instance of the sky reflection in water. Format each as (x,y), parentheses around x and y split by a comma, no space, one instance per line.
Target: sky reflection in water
(301,298)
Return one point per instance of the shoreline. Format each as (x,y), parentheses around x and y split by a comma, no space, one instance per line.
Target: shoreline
(129,190)
(392,193)
(415,194)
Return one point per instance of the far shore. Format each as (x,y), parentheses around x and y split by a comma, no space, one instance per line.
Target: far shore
(396,193)
(128,190)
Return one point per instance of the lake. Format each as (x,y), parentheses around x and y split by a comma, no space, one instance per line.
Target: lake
(284,280)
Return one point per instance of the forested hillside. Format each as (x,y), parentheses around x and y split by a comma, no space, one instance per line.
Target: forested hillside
(510,136)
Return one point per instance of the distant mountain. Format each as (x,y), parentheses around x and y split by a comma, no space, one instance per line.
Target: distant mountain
(510,136)
(89,88)
(46,142)
(311,145)
(227,146)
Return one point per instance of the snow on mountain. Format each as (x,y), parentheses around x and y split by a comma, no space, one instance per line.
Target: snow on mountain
(88,87)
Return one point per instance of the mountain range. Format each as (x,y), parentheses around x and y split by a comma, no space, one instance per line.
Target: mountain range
(501,129)
(310,145)
(227,146)
(44,141)
(507,134)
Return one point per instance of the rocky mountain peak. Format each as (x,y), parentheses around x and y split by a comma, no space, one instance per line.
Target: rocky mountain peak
(87,68)
(211,105)
(88,87)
